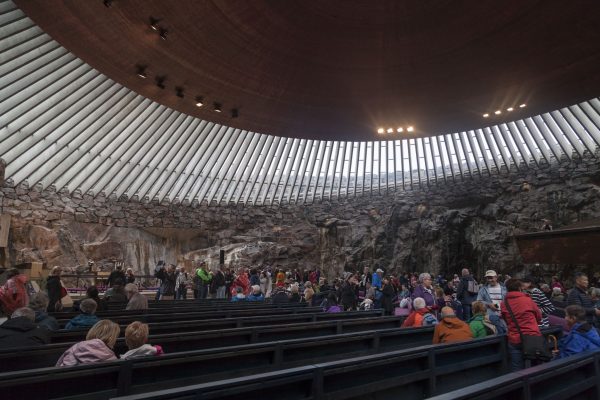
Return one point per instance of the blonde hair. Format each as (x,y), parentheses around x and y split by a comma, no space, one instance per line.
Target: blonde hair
(56,270)
(136,334)
(105,330)
(478,308)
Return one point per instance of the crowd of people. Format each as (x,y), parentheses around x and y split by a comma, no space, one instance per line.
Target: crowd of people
(459,308)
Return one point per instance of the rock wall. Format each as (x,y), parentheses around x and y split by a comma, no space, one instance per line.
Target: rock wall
(438,228)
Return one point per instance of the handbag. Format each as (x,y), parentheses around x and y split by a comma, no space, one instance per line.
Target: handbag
(533,347)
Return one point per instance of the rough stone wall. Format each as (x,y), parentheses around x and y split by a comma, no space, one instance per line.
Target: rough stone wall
(438,228)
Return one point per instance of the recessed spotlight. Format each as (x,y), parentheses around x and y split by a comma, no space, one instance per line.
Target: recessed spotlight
(410,129)
(486,115)
(523,105)
(400,130)
(234,113)
(160,81)
(163,34)
(390,130)
(380,131)
(497,112)
(179,92)
(509,109)
(154,23)
(141,71)
(199,101)
(217,107)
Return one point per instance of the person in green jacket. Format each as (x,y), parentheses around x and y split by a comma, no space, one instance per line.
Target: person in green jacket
(205,277)
(476,322)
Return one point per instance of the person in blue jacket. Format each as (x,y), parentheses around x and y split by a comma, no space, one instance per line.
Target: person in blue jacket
(582,336)
(256,294)
(87,318)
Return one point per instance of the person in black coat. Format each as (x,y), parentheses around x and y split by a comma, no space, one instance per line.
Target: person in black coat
(116,275)
(388,295)
(347,295)
(21,330)
(54,289)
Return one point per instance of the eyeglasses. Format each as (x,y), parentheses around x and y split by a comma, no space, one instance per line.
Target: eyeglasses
(490,277)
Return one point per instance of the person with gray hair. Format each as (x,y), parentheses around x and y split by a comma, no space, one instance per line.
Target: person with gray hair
(420,316)
(136,300)
(21,330)
(87,318)
(39,303)
(424,290)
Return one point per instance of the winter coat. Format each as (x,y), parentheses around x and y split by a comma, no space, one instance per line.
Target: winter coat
(418,318)
(137,302)
(86,352)
(46,321)
(386,300)
(477,326)
(579,297)
(82,321)
(167,285)
(527,314)
(582,337)
(13,294)
(347,295)
(451,329)
(22,332)
(425,294)
(376,280)
(205,276)
(144,350)
(53,287)
(255,297)
(238,297)
(115,276)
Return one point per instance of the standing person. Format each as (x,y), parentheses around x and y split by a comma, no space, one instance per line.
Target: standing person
(387,297)
(181,284)
(492,293)
(167,278)
(280,278)
(115,275)
(522,317)
(13,294)
(229,278)
(254,278)
(578,296)
(205,278)
(466,292)
(54,289)
(545,306)
(347,295)
(129,276)
(242,281)
(376,279)
(425,291)
(218,283)
(308,292)
(263,281)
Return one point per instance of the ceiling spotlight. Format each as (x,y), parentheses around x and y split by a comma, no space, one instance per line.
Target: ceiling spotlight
(380,131)
(199,101)
(234,113)
(410,129)
(509,109)
(497,112)
(154,23)
(160,81)
(486,115)
(141,71)
(163,34)
(217,107)
(107,3)
(400,130)
(523,105)
(179,92)
(390,130)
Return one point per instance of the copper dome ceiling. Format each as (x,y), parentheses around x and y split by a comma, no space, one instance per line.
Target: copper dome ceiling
(339,69)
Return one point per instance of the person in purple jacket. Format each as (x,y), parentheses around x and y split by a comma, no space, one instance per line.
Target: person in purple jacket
(425,290)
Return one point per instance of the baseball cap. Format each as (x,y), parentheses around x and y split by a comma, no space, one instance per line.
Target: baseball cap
(490,272)
(379,270)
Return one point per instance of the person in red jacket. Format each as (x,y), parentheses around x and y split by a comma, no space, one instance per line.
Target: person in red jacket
(528,316)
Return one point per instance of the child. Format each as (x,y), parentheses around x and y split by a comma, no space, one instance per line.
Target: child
(136,336)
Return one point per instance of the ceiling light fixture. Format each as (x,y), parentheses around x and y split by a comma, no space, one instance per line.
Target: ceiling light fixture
(509,109)
(400,130)
(497,112)
(141,71)
(154,23)
(390,130)
(380,131)
(486,115)
(179,92)
(160,81)
(163,33)
(410,129)
(217,107)
(199,101)
(523,105)
(234,113)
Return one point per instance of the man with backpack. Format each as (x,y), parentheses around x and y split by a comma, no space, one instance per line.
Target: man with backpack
(467,292)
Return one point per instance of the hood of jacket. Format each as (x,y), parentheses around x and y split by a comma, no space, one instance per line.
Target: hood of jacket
(452,322)
(86,352)
(587,331)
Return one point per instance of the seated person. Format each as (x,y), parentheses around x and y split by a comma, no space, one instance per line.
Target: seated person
(451,328)
(582,336)
(256,294)
(116,294)
(86,319)
(239,296)
(136,336)
(295,293)
(330,304)
(480,324)
(21,330)
(137,301)
(92,293)
(39,303)
(420,316)
(366,304)
(97,347)
(557,294)
(280,296)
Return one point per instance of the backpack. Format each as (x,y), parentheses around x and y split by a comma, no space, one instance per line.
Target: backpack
(429,319)
(490,328)
(472,286)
